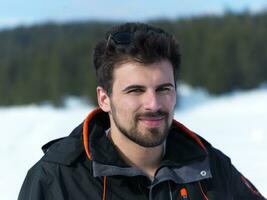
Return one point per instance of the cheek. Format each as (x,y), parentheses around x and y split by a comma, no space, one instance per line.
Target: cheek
(129,103)
(174,100)
(125,107)
(169,101)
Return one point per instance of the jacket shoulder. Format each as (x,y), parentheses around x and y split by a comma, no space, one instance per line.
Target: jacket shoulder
(64,150)
(216,155)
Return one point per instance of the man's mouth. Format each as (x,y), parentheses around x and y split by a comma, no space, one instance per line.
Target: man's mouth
(152,122)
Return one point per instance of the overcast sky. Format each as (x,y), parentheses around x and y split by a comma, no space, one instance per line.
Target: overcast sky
(15,12)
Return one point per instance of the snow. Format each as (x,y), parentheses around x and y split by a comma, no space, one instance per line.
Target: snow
(234,123)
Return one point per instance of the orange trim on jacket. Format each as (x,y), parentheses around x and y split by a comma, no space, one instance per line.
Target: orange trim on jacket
(98,110)
(86,133)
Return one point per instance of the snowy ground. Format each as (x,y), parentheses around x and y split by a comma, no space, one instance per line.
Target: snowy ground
(236,124)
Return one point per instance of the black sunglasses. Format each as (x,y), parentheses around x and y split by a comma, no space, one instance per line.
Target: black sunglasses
(120,38)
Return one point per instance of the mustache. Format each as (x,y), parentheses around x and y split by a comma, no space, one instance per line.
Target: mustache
(159,113)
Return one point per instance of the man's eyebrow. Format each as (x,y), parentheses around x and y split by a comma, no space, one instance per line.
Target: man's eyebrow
(130,87)
(166,85)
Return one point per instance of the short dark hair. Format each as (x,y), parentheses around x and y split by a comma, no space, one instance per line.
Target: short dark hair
(137,42)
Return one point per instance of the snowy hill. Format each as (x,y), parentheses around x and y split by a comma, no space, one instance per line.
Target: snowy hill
(236,124)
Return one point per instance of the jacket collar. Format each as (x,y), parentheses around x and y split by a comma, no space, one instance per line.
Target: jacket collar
(185,158)
(182,145)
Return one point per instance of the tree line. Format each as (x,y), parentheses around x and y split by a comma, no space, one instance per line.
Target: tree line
(49,62)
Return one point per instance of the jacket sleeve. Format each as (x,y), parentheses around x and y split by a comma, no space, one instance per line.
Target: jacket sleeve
(38,185)
(242,188)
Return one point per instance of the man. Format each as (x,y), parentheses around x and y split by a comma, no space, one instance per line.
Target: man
(131,147)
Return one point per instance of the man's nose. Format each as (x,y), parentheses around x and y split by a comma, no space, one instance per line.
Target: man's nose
(152,101)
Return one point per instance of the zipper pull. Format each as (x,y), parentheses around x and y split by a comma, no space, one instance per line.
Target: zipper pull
(184,194)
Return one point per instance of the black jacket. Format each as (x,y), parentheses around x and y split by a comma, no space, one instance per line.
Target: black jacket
(86,166)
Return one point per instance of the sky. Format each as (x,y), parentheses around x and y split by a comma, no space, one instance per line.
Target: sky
(28,12)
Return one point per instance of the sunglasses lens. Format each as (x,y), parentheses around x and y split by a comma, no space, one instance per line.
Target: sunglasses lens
(122,37)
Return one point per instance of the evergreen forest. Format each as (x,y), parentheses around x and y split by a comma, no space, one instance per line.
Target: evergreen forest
(48,62)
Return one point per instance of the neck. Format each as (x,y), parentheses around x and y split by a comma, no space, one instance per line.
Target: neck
(147,159)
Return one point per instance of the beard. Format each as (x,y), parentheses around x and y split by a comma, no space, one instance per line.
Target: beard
(145,137)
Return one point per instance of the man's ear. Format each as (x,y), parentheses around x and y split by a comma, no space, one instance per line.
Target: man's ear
(103,99)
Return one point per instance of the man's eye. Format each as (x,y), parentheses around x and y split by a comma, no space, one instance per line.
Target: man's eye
(163,89)
(135,90)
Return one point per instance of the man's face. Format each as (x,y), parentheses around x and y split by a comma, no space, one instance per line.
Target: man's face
(142,102)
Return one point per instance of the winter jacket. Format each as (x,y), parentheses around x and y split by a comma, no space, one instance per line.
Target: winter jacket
(86,166)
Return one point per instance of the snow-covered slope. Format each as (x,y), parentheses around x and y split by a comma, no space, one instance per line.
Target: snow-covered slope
(236,124)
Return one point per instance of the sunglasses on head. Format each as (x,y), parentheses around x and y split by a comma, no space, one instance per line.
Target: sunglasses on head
(121,38)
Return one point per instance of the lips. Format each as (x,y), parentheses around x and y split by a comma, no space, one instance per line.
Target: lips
(151,122)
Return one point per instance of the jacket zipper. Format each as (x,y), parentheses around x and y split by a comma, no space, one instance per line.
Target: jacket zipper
(170,191)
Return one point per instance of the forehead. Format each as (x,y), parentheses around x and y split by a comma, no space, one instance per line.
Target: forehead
(144,74)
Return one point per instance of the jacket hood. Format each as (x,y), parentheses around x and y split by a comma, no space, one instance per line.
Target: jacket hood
(182,145)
